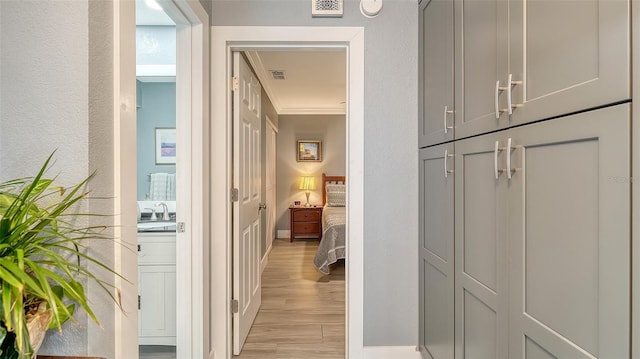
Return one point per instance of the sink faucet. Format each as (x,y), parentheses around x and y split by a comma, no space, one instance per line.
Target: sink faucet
(153,214)
(165,211)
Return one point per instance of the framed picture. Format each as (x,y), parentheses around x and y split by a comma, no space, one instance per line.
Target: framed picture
(165,146)
(309,151)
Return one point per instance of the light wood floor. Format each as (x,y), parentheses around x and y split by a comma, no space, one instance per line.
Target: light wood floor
(302,313)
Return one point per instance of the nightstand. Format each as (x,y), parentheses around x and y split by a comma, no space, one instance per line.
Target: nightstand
(306,222)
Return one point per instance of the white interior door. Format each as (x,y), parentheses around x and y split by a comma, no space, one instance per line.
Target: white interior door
(271,184)
(246,210)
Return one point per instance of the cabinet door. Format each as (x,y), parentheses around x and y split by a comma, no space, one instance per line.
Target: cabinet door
(436,115)
(569,237)
(481,60)
(157,315)
(481,308)
(569,55)
(436,252)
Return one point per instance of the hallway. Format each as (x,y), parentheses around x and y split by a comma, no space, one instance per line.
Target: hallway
(302,313)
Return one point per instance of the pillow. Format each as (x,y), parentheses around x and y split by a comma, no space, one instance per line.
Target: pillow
(336,195)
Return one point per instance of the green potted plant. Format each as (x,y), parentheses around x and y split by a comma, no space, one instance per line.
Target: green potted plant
(43,260)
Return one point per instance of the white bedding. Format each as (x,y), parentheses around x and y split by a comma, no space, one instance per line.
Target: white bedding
(332,245)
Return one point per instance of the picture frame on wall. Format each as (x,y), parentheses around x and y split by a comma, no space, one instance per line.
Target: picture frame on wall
(165,146)
(309,151)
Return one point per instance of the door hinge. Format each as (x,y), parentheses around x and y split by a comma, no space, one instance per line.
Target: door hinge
(181,227)
(138,302)
(234,195)
(235,83)
(234,306)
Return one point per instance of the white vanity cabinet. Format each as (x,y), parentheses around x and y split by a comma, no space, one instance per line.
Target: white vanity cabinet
(157,288)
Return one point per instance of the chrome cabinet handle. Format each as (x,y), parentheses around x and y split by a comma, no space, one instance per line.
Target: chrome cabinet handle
(496,149)
(497,103)
(444,118)
(509,158)
(510,147)
(446,158)
(510,105)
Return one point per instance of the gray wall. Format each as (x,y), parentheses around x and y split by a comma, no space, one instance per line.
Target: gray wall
(45,77)
(331,130)
(158,111)
(390,218)
(56,93)
(391,161)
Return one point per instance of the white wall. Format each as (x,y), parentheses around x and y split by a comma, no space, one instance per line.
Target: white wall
(55,93)
(391,159)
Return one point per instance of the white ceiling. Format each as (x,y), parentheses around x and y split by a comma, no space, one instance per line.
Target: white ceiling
(315,78)
(148,16)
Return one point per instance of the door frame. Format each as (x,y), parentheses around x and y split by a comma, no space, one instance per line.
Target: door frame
(270,127)
(224,40)
(192,97)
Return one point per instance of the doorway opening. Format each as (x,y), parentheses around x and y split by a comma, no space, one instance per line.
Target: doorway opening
(225,40)
(190,247)
(301,293)
(156,124)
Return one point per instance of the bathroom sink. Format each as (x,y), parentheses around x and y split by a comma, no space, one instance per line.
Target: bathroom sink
(157,226)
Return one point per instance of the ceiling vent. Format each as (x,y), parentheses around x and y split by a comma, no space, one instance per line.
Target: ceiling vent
(326,8)
(277,74)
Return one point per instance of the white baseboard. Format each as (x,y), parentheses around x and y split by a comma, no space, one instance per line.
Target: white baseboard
(399,352)
(265,259)
(284,233)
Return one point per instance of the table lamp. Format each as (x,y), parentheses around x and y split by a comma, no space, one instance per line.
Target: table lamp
(307,184)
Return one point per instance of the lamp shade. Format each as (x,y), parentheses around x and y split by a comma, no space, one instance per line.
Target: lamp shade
(307,183)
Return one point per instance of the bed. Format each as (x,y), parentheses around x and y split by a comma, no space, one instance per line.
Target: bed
(332,244)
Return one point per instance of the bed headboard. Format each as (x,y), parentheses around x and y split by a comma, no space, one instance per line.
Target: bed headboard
(330,179)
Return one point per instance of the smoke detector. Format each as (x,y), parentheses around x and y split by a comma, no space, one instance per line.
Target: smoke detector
(326,8)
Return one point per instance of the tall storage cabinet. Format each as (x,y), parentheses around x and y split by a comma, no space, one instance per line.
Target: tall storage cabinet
(542,241)
(538,219)
(436,73)
(436,251)
(569,236)
(516,62)
(481,283)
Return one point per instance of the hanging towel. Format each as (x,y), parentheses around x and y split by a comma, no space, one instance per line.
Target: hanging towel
(171,187)
(158,186)
(162,187)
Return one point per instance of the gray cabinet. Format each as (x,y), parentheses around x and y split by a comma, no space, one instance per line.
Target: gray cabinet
(568,55)
(481,303)
(569,237)
(541,200)
(436,251)
(522,61)
(542,239)
(436,115)
(481,38)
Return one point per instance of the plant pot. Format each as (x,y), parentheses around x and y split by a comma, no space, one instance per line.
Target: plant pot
(38,324)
